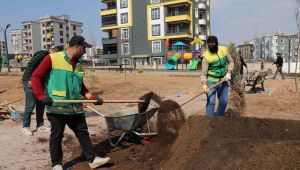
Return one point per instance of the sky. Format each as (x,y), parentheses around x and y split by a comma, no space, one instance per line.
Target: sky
(231,20)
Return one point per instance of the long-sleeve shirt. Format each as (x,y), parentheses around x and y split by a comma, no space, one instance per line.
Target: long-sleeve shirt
(37,78)
(205,65)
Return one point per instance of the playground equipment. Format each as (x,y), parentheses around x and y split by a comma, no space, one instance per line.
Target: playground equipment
(178,50)
(179,54)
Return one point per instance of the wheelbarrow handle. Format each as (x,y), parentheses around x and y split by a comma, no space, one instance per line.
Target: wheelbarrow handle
(93,101)
(203,92)
(99,113)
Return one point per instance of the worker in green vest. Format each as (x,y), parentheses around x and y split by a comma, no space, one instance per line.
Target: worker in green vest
(63,75)
(217,65)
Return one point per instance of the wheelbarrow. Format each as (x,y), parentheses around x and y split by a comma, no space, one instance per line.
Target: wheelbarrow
(126,123)
(122,121)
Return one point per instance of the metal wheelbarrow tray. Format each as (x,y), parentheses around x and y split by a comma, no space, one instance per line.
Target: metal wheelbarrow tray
(126,122)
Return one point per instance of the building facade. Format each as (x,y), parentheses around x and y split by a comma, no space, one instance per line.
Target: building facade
(44,34)
(2,48)
(246,50)
(143,31)
(267,46)
(17,41)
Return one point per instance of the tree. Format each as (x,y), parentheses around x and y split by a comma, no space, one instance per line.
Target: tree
(237,96)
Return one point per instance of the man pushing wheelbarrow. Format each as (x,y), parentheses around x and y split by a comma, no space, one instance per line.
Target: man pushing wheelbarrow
(63,75)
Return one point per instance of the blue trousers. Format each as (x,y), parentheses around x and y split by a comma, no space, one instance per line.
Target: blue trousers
(30,103)
(222,92)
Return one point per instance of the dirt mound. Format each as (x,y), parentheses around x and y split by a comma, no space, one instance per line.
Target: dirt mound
(244,143)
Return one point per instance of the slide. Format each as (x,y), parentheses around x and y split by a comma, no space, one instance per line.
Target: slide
(172,62)
(193,65)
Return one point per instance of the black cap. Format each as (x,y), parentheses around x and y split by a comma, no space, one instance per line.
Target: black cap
(79,40)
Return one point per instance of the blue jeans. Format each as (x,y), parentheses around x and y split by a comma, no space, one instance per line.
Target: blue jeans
(30,103)
(222,92)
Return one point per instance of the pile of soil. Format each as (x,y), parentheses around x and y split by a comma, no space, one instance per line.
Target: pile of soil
(206,142)
(211,143)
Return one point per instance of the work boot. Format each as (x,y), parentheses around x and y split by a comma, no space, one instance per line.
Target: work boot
(57,167)
(98,162)
(26,131)
(43,128)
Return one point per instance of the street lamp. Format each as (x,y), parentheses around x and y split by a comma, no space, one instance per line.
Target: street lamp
(289,38)
(5,39)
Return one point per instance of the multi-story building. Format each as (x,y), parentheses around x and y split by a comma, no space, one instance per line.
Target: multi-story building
(142,31)
(58,30)
(267,46)
(31,35)
(2,48)
(17,41)
(45,33)
(246,50)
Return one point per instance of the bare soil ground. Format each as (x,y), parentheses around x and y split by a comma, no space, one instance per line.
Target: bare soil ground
(266,137)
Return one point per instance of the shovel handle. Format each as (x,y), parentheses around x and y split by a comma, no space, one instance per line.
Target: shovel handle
(203,92)
(94,101)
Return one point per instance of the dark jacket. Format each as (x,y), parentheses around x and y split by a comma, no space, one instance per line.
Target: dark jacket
(36,59)
(279,62)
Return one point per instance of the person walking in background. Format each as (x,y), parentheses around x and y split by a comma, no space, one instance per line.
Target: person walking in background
(30,100)
(63,74)
(217,64)
(278,62)
(242,66)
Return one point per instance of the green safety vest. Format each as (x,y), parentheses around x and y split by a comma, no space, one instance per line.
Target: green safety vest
(64,83)
(217,67)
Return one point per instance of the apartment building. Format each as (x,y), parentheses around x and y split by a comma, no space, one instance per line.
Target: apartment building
(268,45)
(58,30)
(143,31)
(45,33)
(246,50)
(17,41)
(2,48)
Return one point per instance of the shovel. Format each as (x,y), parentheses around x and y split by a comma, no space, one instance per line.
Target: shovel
(94,101)
(203,92)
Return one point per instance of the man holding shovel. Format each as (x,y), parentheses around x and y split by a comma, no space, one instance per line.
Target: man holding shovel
(217,65)
(63,75)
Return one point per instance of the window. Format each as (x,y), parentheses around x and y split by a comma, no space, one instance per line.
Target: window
(156,46)
(61,40)
(124,33)
(155,1)
(124,18)
(156,30)
(174,11)
(74,27)
(124,4)
(201,15)
(155,13)
(125,48)
(61,33)
(60,25)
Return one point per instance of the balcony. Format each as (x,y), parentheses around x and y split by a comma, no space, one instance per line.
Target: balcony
(109,40)
(202,22)
(178,32)
(108,11)
(108,1)
(109,20)
(202,6)
(183,16)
